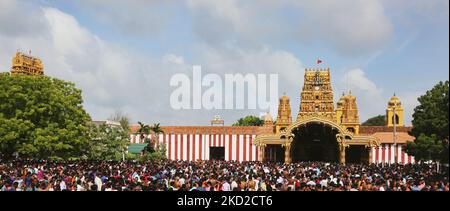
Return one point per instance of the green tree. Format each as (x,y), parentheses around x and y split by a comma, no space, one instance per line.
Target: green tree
(41,117)
(157,130)
(158,154)
(144,133)
(121,118)
(107,142)
(430,125)
(379,120)
(249,121)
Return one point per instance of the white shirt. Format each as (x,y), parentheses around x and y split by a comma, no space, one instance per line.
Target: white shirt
(256,184)
(182,181)
(226,187)
(80,188)
(324,183)
(234,185)
(99,183)
(280,180)
(62,185)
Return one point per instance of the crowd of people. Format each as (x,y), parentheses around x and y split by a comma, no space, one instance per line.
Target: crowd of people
(34,175)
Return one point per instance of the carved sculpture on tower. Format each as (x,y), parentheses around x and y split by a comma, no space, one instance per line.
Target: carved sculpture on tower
(317,95)
(25,64)
(284,118)
(347,113)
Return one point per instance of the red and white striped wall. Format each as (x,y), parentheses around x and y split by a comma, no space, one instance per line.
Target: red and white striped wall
(192,147)
(386,154)
(238,147)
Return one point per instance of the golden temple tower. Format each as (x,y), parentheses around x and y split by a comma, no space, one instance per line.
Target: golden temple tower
(284,118)
(317,95)
(347,113)
(396,104)
(25,64)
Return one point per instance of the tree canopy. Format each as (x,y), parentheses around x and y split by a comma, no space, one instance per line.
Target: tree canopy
(430,125)
(379,120)
(41,117)
(249,121)
(107,142)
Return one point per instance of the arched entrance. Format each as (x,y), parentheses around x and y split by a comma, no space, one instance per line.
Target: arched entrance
(315,141)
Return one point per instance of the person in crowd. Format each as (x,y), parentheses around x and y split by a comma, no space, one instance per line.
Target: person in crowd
(168,175)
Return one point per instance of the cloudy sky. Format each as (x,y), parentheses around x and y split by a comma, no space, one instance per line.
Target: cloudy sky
(122,54)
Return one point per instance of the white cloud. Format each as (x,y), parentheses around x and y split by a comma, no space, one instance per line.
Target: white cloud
(350,27)
(369,96)
(409,102)
(131,17)
(371,99)
(111,77)
(173,59)
(256,61)
(235,38)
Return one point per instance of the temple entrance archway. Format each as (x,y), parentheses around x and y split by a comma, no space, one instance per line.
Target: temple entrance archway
(315,141)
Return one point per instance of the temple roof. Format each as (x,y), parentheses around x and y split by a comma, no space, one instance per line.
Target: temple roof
(388,138)
(243,130)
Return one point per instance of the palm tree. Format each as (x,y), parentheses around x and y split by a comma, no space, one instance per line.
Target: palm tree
(144,130)
(157,130)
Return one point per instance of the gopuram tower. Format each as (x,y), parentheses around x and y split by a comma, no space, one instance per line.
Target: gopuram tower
(317,95)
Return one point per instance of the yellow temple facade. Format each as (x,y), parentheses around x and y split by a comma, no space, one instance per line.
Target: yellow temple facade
(323,131)
(25,64)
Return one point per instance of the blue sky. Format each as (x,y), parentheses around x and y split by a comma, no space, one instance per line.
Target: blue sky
(122,53)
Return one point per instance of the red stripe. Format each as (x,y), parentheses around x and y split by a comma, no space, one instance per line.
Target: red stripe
(188,149)
(257,153)
(200,148)
(238,140)
(169,147)
(402,157)
(176,147)
(182,147)
(251,148)
(389,153)
(376,154)
(244,158)
(383,155)
(230,147)
(193,147)
(211,140)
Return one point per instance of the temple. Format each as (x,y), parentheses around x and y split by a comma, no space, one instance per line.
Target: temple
(322,131)
(25,64)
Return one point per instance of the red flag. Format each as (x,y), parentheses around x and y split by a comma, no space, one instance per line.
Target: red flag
(319,61)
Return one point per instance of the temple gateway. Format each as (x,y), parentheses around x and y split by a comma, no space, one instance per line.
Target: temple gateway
(322,131)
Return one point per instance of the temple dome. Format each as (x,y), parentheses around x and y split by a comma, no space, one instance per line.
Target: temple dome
(394,101)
